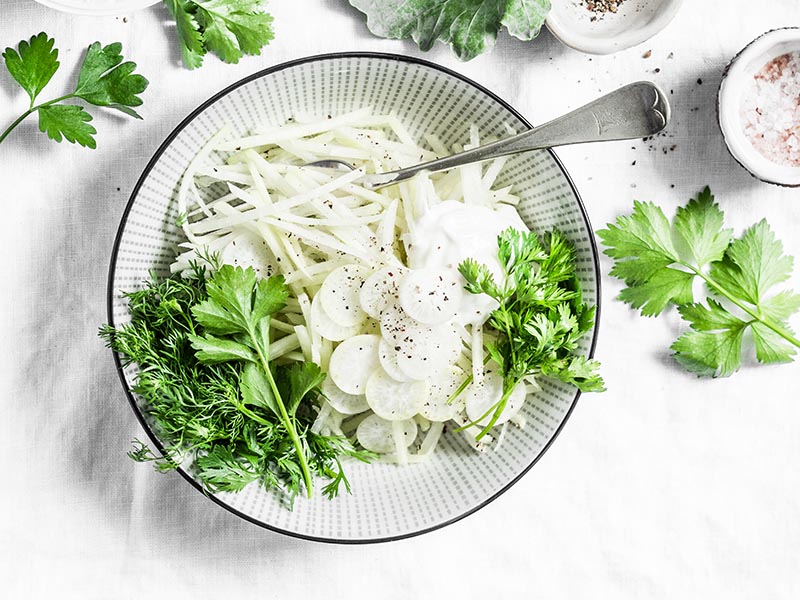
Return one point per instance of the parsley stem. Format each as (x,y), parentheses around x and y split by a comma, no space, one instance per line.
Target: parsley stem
(767,322)
(460,389)
(24,116)
(495,410)
(298,446)
(29,112)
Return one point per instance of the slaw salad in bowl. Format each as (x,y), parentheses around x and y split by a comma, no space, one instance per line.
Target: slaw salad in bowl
(340,363)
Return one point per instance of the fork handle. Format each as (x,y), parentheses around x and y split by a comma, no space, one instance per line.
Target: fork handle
(636,110)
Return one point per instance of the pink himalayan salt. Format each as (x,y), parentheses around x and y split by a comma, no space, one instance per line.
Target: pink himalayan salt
(770,110)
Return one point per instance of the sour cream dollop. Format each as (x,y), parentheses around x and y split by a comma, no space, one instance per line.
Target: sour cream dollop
(451,232)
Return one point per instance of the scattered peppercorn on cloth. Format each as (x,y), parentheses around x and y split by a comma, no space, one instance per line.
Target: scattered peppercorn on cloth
(665,486)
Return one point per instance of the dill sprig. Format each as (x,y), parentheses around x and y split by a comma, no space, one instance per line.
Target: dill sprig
(205,406)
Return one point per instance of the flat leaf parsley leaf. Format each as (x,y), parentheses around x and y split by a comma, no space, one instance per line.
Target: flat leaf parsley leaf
(67,121)
(228,28)
(239,305)
(541,315)
(469,26)
(34,64)
(659,262)
(104,80)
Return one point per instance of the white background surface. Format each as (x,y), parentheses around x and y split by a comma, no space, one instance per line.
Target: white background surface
(666,486)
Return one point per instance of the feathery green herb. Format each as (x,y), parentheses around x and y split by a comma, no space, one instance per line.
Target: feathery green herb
(228,28)
(104,80)
(207,382)
(659,262)
(541,314)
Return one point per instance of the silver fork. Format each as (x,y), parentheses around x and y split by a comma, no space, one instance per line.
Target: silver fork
(637,110)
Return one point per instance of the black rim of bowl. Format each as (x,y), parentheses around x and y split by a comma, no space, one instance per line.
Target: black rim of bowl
(115,251)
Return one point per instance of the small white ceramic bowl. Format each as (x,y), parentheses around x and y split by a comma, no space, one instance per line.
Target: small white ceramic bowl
(737,76)
(635,22)
(98,7)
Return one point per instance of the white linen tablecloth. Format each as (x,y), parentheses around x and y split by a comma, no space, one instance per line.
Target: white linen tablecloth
(666,486)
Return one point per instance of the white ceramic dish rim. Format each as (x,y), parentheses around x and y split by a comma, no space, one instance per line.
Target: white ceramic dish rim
(152,163)
(617,43)
(739,71)
(124,7)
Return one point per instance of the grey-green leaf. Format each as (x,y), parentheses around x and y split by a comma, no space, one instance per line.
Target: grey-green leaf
(469,26)
(524,18)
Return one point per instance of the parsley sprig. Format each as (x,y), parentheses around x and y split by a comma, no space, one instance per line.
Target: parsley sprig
(540,317)
(104,80)
(659,262)
(228,28)
(202,345)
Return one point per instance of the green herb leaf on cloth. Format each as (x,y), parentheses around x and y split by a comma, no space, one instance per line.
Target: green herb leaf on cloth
(228,28)
(188,31)
(470,27)
(69,122)
(660,261)
(104,80)
(33,64)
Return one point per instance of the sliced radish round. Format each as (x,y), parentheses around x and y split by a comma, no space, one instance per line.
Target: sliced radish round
(394,400)
(396,325)
(375,433)
(353,362)
(482,396)
(452,343)
(339,295)
(387,355)
(431,296)
(435,406)
(371,326)
(250,250)
(348,404)
(328,328)
(427,350)
(381,289)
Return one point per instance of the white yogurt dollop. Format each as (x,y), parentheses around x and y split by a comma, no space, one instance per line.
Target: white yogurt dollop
(451,232)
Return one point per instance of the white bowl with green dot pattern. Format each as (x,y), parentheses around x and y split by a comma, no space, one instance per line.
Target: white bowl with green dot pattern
(387,501)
